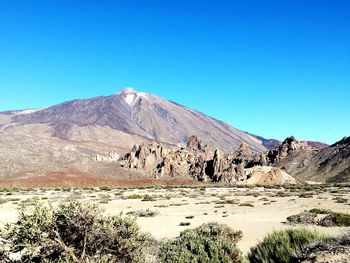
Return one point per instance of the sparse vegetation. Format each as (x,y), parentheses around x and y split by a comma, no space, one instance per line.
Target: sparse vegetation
(105,188)
(143,213)
(200,204)
(178,204)
(104,199)
(319,211)
(246,204)
(341,200)
(148,198)
(305,195)
(226,202)
(134,196)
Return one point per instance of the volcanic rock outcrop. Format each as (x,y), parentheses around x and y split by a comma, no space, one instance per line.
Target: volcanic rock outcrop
(331,164)
(144,157)
(288,147)
(306,162)
(157,161)
(290,155)
(201,163)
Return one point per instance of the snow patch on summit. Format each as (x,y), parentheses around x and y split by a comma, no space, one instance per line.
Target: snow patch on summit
(131,96)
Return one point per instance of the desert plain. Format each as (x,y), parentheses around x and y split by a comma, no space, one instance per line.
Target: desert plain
(165,211)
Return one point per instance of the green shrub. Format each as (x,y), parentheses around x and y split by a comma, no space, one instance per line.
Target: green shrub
(208,243)
(283,246)
(319,211)
(105,188)
(305,195)
(246,204)
(143,213)
(134,196)
(226,202)
(105,199)
(74,232)
(147,197)
(335,219)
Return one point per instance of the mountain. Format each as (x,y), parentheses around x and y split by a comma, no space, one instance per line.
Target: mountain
(331,164)
(311,161)
(77,142)
(69,143)
(128,113)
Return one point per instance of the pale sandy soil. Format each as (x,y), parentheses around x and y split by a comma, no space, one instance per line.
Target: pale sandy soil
(255,222)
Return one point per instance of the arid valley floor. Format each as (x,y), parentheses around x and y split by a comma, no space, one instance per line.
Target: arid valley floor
(165,211)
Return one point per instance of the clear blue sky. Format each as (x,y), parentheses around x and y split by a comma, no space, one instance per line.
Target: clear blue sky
(273,68)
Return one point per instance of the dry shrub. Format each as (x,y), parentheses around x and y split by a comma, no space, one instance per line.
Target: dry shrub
(74,232)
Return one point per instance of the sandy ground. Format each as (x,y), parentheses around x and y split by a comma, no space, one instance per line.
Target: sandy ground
(173,205)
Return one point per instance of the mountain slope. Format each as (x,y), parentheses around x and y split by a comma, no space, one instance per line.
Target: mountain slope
(331,164)
(143,115)
(307,162)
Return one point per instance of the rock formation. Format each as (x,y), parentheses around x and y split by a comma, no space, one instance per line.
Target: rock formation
(291,155)
(194,143)
(111,157)
(198,162)
(331,164)
(288,147)
(306,162)
(144,157)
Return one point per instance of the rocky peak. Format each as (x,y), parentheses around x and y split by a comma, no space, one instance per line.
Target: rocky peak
(289,147)
(345,141)
(290,144)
